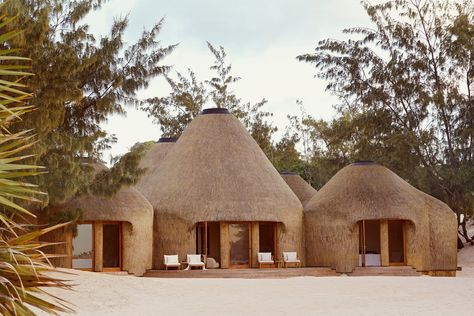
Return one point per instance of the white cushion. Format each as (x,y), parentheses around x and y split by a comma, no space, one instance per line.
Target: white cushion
(265,257)
(192,259)
(290,256)
(173,259)
(196,264)
(211,263)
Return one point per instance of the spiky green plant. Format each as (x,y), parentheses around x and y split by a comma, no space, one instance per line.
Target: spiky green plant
(24,268)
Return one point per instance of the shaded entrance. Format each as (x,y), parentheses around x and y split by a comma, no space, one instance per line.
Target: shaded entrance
(267,237)
(382,243)
(112,246)
(235,244)
(369,243)
(208,242)
(396,243)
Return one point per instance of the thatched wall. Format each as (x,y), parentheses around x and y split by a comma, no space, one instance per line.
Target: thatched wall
(303,190)
(365,191)
(217,172)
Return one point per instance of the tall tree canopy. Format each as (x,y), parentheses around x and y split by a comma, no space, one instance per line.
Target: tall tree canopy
(406,91)
(188,96)
(81,79)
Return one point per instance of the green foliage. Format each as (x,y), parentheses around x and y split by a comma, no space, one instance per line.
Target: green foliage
(175,111)
(189,95)
(405,87)
(80,81)
(59,216)
(221,83)
(24,271)
(124,172)
(23,265)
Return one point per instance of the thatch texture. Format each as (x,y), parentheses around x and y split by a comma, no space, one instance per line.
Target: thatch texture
(151,161)
(365,191)
(303,190)
(128,206)
(217,172)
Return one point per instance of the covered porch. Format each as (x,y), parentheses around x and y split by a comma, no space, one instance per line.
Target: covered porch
(385,242)
(236,245)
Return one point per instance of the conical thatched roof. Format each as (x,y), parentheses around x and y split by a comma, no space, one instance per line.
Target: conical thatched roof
(303,190)
(151,161)
(126,204)
(217,172)
(366,191)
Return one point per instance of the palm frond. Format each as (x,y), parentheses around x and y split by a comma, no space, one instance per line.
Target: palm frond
(24,268)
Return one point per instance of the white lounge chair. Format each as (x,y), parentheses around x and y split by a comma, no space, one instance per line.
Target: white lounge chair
(195,261)
(172,261)
(265,258)
(291,258)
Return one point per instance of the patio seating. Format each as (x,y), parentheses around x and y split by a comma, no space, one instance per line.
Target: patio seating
(265,258)
(195,261)
(171,261)
(291,258)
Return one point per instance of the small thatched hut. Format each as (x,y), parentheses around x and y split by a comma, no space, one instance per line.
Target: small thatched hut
(367,215)
(114,234)
(122,228)
(217,194)
(303,190)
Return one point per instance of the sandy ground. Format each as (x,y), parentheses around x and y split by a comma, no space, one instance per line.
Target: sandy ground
(105,294)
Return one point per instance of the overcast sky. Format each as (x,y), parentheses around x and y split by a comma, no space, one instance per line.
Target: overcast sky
(262,39)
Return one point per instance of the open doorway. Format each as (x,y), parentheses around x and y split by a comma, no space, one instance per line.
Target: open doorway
(267,238)
(369,243)
(208,242)
(396,242)
(112,246)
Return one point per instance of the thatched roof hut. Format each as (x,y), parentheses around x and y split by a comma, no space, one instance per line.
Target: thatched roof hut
(216,172)
(127,208)
(368,191)
(136,214)
(303,190)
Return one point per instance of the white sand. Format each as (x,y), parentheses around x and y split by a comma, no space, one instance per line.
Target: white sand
(108,294)
(104,294)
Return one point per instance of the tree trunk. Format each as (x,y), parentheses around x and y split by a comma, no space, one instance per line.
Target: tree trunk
(464,232)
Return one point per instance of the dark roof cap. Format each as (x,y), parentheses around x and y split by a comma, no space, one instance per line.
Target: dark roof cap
(363,163)
(167,140)
(215,111)
(286,172)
